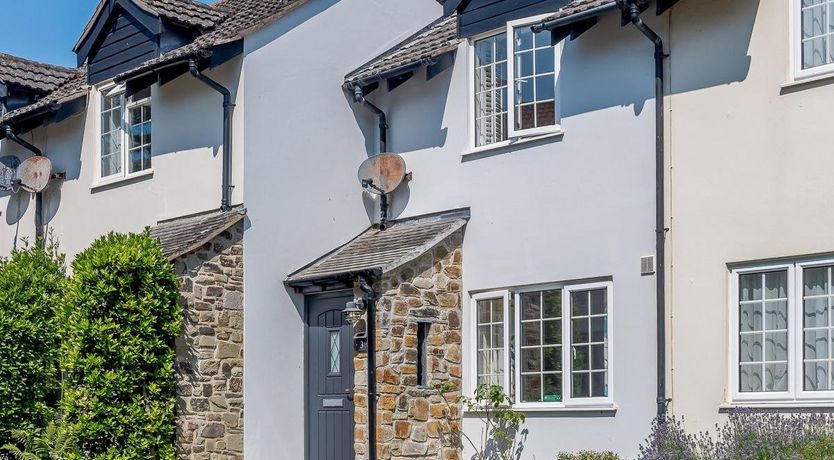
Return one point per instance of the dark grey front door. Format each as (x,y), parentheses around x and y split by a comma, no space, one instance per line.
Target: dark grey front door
(329,379)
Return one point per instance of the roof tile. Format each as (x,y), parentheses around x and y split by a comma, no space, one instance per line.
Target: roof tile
(33,75)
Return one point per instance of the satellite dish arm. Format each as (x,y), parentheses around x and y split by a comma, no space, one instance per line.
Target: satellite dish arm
(39,227)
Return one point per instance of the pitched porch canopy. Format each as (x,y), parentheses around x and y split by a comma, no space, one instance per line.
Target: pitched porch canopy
(376,252)
(184,234)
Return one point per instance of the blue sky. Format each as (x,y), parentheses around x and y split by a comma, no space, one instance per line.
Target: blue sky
(44,30)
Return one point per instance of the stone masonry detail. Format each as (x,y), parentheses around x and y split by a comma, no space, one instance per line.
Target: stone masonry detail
(416,422)
(210,352)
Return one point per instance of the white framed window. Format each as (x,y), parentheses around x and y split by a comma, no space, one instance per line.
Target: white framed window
(514,84)
(491,315)
(812,37)
(559,339)
(781,325)
(125,132)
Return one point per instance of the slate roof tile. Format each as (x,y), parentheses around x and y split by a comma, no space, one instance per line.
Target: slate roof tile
(72,89)
(188,12)
(241,17)
(384,250)
(439,37)
(184,234)
(33,75)
(430,42)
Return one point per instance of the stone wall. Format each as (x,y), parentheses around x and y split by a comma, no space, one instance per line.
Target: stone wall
(210,353)
(416,422)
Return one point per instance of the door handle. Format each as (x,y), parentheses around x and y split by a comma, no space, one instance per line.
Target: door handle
(350,393)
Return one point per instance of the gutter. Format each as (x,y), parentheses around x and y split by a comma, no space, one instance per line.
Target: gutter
(631,9)
(40,232)
(550,24)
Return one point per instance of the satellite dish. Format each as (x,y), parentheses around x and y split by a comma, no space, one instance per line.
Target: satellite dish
(8,172)
(34,173)
(382,173)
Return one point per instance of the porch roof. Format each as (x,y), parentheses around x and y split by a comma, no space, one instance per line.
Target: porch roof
(181,235)
(377,251)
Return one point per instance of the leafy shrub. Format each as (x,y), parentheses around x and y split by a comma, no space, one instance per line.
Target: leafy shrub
(502,437)
(588,455)
(120,318)
(31,283)
(746,435)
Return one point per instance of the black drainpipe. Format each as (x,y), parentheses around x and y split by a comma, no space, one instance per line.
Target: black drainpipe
(631,8)
(359,96)
(40,232)
(228,108)
(370,298)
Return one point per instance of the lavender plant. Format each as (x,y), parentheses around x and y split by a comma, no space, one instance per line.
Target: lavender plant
(747,435)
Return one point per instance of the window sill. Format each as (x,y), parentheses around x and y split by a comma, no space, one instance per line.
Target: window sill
(106,183)
(513,142)
(602,408)
(797,83)
(776,405)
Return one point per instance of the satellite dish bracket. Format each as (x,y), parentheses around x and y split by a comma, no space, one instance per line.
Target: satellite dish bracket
(383,201)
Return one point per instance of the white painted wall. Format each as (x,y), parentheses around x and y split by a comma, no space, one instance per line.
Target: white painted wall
(581,206)
(187,153)
(750,177)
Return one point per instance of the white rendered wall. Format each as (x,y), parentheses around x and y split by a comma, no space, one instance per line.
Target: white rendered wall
(187,153)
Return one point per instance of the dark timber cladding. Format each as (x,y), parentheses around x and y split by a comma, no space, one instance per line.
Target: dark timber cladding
(127,44)
(479,16)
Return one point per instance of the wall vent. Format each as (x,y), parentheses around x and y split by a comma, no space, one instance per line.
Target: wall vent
(647,265)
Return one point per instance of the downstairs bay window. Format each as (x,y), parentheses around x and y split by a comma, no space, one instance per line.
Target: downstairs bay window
(548,347)
(781,322)
(515,73)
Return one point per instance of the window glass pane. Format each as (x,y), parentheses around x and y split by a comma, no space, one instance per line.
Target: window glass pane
(552,387)
(490,341)
(552,358)
(763,331)
(334,352)
(750,286)
(530,334)
(552,304)
(589,343)
(531,388)
(491,90)
(817,329)
(139,137)
(534,80)
(541,345)
(776,377)
(816,33)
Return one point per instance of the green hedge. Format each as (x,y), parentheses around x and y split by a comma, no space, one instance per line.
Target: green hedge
(121,317)
(31,282)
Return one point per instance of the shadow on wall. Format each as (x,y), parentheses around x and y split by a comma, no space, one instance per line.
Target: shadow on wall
(429,98)
(711,22)
(608,66)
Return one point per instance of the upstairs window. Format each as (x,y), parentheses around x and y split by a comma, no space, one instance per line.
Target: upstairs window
(813,37)
(515,84)
(125,127)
